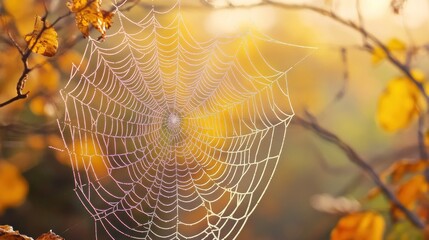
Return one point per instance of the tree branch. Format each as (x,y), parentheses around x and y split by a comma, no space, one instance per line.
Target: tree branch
(392,59)
(355,158)
(26,53)
(348,23)
(421,137)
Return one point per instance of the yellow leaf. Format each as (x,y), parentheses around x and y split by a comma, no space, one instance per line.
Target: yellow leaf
(44,39)
(12,183)
(89,13)
(359,226)
(409,192)
(395,46)
(399,104)
(418,74)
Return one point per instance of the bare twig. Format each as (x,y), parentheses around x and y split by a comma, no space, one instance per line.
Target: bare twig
(340,94)
(361,22)
(421,137)
(25,55)
(355,158)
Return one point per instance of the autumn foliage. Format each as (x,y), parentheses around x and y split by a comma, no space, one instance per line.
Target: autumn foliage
(360,225)
(40,41)
(7,233)
(88,13)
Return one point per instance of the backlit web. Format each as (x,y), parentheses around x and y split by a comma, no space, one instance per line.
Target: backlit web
(172,137)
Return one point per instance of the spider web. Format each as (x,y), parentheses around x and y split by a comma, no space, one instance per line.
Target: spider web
(171,137)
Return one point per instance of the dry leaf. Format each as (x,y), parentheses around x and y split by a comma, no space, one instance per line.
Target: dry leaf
(7,233)
(49,236)
(44,39)
(359,226)
(397,5)
(89,13)
(399,104)
(401,168)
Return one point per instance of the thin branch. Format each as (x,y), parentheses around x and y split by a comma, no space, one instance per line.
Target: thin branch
(403,68)
(328,136)
(361,22)
(60,18)
(16,98)
(346,76)
(421,137)
(26,53)
(348,23)
(355,158)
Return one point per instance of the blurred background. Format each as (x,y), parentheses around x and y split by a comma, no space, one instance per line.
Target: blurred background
(36,181)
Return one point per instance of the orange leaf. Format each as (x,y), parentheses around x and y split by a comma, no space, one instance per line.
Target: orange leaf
(409,193)
(359,226)
(7,233)
(399,169)
(49,236)
(44,39)
(403,168)
(89,13)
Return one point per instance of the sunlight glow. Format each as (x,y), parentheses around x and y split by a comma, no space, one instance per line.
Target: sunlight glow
(415,13)
(374,9)
(370,9)
(227,21)
(225,3)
